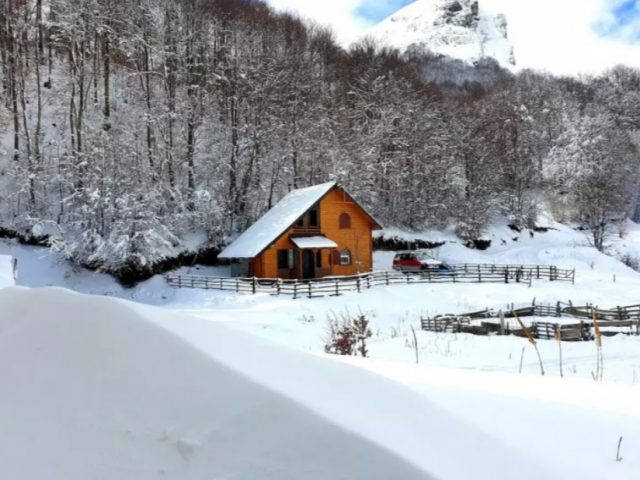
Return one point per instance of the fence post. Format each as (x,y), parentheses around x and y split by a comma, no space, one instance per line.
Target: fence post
(479,276)
(278,286)
(573,277)
(358,283)
(193,282)
(221,288)
(254,285)
(237,284)
(386,275)
(538,272)
(295,289)
(337,288)
(506,275)
(310,290)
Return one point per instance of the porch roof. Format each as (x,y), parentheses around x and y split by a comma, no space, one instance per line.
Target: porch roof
(314,242)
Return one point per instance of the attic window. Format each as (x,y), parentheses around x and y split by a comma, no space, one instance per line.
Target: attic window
(345,221)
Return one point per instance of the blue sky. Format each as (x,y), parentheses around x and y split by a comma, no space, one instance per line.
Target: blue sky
(375,10)
(561,36)
(621,21)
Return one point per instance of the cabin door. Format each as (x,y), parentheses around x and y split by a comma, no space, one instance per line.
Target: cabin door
(308,264)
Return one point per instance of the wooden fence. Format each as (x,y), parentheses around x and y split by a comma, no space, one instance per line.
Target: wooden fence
(331,286)
(627,317)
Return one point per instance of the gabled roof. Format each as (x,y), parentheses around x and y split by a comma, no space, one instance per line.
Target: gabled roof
(276,221)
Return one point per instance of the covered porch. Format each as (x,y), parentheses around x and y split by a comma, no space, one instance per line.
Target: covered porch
(310,258)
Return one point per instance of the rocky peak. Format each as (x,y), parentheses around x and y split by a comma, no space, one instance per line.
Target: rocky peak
(463,13)
(460,29)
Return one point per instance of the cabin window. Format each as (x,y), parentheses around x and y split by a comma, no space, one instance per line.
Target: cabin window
(309,219)
(345,257)
(319,259)
(285,259)
(345,221)
(313,218)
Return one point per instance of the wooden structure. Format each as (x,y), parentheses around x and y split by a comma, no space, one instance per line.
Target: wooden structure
(619,320)
(338,285)
(313,232)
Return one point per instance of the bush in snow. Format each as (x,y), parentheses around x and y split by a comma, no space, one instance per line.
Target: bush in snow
(631,261)
(348,335)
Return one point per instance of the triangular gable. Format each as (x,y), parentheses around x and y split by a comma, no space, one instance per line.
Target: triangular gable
(257,238)
(276,221)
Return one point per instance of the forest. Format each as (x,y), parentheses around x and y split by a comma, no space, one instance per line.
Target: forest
(134,130)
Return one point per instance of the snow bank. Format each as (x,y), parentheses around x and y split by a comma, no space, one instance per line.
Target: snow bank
(95,388)
(6,271)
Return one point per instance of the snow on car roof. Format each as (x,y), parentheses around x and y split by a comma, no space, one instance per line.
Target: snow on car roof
(272,224)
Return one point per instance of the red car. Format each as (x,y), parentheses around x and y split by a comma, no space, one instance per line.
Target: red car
(415,261)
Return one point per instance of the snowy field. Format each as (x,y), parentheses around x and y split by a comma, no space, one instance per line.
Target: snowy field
(466,398)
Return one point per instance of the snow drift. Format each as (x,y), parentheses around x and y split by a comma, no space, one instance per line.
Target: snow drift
(6,271)
(99,388)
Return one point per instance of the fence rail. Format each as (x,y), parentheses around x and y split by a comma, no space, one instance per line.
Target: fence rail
(330,286)
(610,321)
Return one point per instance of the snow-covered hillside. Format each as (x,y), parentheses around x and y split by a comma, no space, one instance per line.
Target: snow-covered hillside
(460,29)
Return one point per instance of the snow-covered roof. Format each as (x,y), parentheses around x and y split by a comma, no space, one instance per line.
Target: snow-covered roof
(314,242)
(7,278)
(276,221)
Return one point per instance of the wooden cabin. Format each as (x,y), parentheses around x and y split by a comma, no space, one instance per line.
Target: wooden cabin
(312,232)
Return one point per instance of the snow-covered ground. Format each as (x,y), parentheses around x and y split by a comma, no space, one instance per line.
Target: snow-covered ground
(600,279)
(568,426)
(7,278)
(99,388)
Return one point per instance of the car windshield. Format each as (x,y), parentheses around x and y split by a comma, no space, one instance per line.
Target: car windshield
(424,256)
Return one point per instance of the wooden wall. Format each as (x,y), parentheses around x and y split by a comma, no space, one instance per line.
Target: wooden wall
(357,239)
